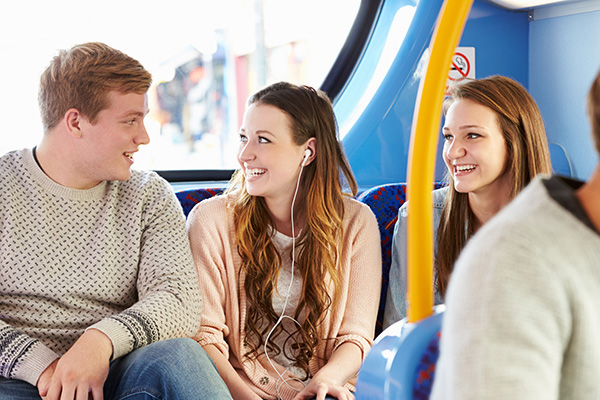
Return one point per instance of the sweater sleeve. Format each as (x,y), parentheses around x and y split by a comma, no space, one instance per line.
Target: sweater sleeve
(208,233)
(395,304)
(364,280)
(169,302)
(22,357)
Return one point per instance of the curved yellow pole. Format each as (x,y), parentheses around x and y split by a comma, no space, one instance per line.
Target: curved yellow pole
(422,156)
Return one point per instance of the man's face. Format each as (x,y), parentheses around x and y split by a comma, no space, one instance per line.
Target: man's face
(109,144)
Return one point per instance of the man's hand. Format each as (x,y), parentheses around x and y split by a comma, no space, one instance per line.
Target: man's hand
(43,382)
(79,374)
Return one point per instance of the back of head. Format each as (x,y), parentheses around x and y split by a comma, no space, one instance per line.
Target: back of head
(82,77)
(593,104)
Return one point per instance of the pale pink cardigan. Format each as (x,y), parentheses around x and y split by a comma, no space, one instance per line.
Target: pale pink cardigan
(224,310)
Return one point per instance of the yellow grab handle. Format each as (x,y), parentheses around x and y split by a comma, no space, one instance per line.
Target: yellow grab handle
(421,162)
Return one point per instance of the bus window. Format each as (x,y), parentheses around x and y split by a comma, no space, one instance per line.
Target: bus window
(205,56)
(395,36)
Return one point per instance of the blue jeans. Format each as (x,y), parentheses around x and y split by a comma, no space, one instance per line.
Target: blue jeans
(167,370)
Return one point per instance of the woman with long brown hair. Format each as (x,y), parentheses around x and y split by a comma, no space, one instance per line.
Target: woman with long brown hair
(494,144)
(289,265)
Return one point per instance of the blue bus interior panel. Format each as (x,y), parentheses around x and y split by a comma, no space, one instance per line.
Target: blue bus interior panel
(378,142)
(564,59)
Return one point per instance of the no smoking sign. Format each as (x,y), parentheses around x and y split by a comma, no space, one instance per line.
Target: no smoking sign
(462,65)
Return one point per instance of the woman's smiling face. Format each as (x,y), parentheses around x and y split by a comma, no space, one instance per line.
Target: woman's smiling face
(267,154)
(474,148)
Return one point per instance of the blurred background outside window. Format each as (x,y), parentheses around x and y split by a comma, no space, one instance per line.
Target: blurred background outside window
(206,58)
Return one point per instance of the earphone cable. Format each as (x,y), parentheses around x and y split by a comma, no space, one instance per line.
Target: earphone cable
(289,290)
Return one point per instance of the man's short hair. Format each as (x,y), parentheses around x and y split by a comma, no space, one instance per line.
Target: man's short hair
(82,77)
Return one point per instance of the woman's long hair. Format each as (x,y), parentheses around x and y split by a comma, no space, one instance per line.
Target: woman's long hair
(527,155)
(311,115)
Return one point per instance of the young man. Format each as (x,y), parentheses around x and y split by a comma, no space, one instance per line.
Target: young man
(95,265)
(522,316)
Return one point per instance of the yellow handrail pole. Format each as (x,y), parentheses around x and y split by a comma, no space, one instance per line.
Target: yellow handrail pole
(421,162)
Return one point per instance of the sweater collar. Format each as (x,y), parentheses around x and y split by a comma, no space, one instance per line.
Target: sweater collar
(47,184)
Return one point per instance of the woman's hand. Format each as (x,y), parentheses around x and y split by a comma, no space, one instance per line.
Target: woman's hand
(319,388)
(330,379)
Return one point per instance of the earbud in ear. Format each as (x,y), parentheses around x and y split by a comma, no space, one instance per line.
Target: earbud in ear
(307,154)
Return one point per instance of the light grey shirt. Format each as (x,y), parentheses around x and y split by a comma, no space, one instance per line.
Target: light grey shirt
(522,318)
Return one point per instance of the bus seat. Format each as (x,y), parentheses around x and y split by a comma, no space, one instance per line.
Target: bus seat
(561,163)
(189,198)
(401,363)
(384,201)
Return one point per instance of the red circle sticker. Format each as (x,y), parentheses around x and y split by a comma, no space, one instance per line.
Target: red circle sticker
(459,68)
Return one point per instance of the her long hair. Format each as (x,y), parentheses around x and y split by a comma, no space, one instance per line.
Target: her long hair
(527,155)
(311,115)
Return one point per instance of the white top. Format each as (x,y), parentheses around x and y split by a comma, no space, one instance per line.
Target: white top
(283,244)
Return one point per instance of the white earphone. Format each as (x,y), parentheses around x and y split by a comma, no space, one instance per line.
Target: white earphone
(307,154)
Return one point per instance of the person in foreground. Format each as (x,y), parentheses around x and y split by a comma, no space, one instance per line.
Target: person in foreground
(95,264)
(522,315)
(290,297)
(494,144)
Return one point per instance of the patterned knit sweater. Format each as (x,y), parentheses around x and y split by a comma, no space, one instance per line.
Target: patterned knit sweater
(115,257)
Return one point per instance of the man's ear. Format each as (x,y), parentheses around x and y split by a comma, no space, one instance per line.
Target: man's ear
(72,121)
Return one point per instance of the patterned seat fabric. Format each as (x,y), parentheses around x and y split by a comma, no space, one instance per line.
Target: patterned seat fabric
(189,198)
(425,371)
(384,201)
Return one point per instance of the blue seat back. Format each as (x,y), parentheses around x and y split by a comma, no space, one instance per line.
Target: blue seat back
(401,363)
(384,201)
